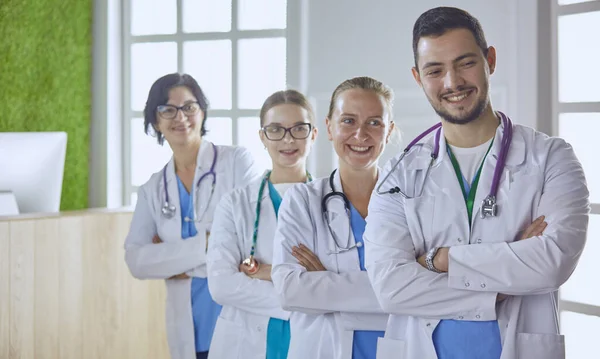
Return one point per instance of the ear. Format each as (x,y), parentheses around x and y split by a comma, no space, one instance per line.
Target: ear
(315,132)
(417,76)
(390,131)
(328,125)
(491,59)
(263,138)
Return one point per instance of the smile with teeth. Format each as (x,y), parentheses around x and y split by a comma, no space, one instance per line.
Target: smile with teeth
(458,97)
(359,148)
(288,152)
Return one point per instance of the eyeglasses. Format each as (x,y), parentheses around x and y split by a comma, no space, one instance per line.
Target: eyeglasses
(277,133)
(169,112)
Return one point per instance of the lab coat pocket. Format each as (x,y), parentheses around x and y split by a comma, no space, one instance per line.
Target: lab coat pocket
(388,348)
(540,346)
(227,339)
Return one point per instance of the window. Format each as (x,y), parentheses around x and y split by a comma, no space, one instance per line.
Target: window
(577,119)
(235,49)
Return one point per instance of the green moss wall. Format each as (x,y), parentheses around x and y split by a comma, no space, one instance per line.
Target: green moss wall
(45,79)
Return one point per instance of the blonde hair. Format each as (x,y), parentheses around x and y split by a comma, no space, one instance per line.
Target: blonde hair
(287,97)
(364,83)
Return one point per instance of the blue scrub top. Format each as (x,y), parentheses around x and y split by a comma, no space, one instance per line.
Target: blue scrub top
(461,339)
(204,309)
(278,331)
(364,345)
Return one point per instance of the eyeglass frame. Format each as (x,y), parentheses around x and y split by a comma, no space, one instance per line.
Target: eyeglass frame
(287,130)
(177,109)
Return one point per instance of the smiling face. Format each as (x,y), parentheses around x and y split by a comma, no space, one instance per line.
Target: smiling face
(185,127)
(359,127)
(454,74)
(294,147)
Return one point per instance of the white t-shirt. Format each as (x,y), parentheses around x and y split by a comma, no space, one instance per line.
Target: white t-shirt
(469,159)
(283,187)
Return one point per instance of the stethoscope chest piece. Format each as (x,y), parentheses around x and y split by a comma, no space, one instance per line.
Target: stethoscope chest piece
(251,265)
(168,210)
(489,208)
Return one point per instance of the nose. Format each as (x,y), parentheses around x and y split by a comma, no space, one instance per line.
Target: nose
(361,132)
(453,80)
(179,116)
(287,138)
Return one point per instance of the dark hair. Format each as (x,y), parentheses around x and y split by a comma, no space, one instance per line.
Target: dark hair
(159,95)
(286,97)
(437,21)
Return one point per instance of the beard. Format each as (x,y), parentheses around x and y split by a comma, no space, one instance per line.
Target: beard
(465,118)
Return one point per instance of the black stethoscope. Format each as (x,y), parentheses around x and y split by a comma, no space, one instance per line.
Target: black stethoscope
(168,210)
(339,249)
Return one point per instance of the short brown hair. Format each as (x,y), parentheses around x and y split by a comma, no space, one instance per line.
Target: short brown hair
(286,97)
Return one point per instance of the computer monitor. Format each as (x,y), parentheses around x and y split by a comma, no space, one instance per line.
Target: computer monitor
(31,167)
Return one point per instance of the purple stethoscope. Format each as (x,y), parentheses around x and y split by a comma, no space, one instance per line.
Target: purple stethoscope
(489,207)
(168,210)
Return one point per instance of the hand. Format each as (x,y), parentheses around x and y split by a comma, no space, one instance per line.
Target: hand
(535,229)
(180,276)
(264,272)
(156,239)
(307,259)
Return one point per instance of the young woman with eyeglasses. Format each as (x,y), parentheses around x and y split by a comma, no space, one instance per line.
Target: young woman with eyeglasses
(252,323)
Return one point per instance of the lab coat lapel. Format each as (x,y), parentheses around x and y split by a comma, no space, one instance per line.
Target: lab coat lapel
(170,229)
(202,194)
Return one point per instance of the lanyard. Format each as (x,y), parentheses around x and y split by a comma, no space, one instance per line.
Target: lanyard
(468,191)
(260,194)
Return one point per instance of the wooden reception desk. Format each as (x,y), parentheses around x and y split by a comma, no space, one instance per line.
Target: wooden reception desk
(66,292)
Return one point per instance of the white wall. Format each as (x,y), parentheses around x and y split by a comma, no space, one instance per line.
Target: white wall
(340,39)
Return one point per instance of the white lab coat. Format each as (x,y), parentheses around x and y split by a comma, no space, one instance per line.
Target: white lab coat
(328,305)
(542,176)
(248,303)
(146,260)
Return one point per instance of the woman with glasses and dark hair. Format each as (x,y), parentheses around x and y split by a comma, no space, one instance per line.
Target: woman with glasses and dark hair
(252,323)
(168,238)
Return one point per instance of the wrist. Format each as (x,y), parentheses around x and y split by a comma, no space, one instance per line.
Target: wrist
(440,261)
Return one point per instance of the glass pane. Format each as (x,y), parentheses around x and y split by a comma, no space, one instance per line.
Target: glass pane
(149,61)
(248,137)
(261,70)
(581,334)
(577,63)
(133,200)
(567,2)
(262,14)
(152,17)
(578,288)
(147,156)
(219,130)
(580,130)
(209,62)
(206,15)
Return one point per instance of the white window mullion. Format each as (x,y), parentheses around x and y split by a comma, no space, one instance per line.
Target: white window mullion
(234,72)
(126,112)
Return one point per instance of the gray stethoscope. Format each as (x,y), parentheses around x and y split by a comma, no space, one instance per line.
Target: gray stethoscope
(324,201)
(168,210)
(489,207)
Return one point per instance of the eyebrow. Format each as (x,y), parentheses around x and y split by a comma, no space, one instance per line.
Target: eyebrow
(460,58)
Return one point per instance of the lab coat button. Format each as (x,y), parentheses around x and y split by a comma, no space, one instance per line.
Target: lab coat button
(259,328)
(482,285)
(460,240)
(479,240)
(478,316)
(467,284)
(428,324)
(461,317)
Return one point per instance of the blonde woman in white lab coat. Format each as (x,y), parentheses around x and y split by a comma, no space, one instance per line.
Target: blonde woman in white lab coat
(174,211)
(318,257)
(252,323)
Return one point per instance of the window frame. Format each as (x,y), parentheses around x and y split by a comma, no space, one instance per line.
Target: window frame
(290,34)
